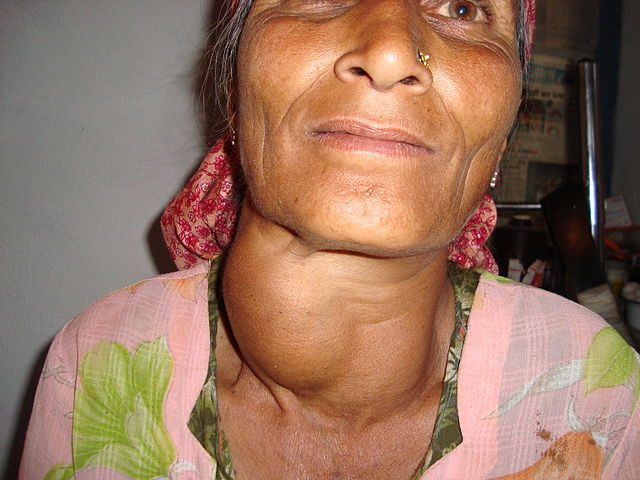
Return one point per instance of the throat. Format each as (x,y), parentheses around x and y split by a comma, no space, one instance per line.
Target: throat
(312,446)
(310,335)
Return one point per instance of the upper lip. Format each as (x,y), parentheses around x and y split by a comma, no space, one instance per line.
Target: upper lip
(371,130)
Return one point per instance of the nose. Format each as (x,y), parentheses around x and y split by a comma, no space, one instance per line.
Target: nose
(385,52)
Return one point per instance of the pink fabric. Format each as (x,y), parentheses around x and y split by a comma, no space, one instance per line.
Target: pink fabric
(469,249)
(198,224)
(518,338)
(530,25)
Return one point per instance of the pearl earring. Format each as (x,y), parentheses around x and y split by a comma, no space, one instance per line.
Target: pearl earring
(494,179)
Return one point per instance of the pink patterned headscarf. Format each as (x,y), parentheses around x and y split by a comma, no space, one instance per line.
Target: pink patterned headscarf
(199,222)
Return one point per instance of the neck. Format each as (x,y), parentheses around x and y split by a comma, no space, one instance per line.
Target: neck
(345,335)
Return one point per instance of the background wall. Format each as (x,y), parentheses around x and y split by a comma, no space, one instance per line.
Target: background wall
(97,133)
(626,166)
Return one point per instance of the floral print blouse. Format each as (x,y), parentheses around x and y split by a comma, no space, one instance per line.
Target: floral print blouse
(535,387)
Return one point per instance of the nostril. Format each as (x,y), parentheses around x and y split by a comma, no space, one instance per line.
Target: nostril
(359,72)
(411,80)
(382,68)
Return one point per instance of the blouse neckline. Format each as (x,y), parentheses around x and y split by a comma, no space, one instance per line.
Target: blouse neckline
(204,422)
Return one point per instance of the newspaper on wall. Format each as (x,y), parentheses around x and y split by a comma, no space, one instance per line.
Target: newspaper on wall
(535,162)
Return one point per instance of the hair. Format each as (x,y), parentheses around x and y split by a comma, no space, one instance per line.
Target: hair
(220,61)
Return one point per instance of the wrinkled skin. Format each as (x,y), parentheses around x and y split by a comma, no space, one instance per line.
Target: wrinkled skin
(302,64)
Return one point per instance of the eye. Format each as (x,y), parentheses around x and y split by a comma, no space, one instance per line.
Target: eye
(465,10)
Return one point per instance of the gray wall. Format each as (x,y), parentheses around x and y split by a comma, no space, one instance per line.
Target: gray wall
(97,133)
(626,167)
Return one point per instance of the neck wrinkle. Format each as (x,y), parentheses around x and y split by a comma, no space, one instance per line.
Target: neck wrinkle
(333,336)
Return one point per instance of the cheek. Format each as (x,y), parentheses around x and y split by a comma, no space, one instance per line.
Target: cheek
(272,60)
(481,91)
(487,104)
(269,77)
(482,95)
(481,86)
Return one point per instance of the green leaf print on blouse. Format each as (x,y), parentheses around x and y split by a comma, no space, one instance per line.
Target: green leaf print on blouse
(118,418)
(488,276)
(62,471)
(610,362)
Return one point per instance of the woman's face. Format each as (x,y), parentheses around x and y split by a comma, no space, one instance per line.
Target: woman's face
(351,143)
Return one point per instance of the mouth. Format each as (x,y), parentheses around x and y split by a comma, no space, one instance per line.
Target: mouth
(357,136)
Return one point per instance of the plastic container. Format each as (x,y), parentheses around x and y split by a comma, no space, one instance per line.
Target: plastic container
(632,314)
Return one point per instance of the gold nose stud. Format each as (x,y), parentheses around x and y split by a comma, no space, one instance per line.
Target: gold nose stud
(423,58)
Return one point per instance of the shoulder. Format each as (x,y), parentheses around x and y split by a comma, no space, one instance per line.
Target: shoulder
(164,315)
(149,343)
(142,311)
(539,373)
(539,330)
(536,313)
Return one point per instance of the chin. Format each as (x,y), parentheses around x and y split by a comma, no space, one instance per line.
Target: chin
(375,236)
(390,220)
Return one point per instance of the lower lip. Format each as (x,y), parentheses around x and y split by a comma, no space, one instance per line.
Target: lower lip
(352,143)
